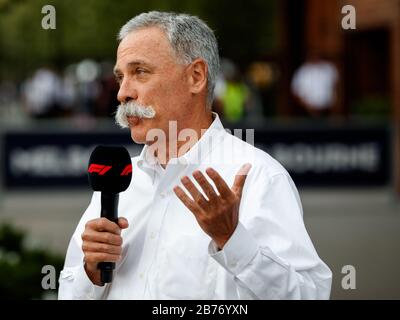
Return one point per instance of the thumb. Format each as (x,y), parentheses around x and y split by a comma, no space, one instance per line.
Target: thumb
(123,223)
(240,179)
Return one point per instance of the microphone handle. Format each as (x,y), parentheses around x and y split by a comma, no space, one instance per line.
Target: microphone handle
(109,210)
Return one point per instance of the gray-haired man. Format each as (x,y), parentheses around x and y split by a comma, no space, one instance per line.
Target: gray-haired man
(207,215)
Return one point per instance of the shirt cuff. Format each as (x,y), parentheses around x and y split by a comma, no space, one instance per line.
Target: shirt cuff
(83,288)
(238,251)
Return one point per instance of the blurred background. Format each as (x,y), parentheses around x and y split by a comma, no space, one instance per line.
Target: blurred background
(324,100)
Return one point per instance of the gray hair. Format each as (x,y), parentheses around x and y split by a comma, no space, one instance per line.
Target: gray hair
(189,36)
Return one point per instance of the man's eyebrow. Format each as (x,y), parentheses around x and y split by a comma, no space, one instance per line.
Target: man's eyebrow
(133,64)
(138,62)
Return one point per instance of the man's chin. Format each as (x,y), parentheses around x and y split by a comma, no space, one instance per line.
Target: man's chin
(138,137)
(138,133)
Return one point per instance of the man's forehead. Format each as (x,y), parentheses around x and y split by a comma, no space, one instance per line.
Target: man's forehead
(150,41)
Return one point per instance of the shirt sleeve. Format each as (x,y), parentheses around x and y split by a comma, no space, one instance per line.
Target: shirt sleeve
(74,284)
(270,254)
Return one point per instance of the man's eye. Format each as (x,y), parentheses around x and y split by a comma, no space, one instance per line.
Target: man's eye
(140,71)
(119,79)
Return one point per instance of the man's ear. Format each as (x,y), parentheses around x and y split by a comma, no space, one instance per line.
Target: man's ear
(198,76)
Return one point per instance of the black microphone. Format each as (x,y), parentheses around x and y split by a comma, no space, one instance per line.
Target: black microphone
(110,172)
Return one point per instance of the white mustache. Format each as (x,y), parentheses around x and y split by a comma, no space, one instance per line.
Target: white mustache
(132,109)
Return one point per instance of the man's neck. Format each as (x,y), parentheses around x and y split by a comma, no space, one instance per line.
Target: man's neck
(199,125)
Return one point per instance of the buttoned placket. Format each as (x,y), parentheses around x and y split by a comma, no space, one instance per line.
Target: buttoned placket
(165,181)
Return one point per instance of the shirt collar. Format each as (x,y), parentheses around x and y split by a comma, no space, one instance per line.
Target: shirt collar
(211,137)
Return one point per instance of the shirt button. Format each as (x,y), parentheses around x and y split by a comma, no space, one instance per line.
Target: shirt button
(152,236)
(163,194)
(233,264)
(141,276)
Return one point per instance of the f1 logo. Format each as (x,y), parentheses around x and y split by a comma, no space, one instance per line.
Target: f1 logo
(98,168)
(127,170)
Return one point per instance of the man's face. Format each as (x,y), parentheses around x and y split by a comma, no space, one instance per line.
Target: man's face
(148,72)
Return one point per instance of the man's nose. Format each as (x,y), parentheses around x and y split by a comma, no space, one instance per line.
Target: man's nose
(126,92)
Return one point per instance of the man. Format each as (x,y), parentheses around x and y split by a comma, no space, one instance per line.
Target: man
(207,215)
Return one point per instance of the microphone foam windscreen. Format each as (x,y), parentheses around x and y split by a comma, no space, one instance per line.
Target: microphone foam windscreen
(110,169)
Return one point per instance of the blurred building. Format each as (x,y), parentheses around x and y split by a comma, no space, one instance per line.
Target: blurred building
(368,57)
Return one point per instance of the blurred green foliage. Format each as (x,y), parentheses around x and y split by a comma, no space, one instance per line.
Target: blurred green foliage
(21,267)
(87,29)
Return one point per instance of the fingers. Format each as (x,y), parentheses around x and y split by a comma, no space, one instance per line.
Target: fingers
(199,201)
(220,183)
(88,246)
(95,257)
(123,223)
(240,179)
(189,203)
(195,193)
(102,237)
(103,224)
(102,241)
(205,185)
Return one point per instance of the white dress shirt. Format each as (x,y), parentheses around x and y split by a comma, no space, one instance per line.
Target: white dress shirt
(165,253)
